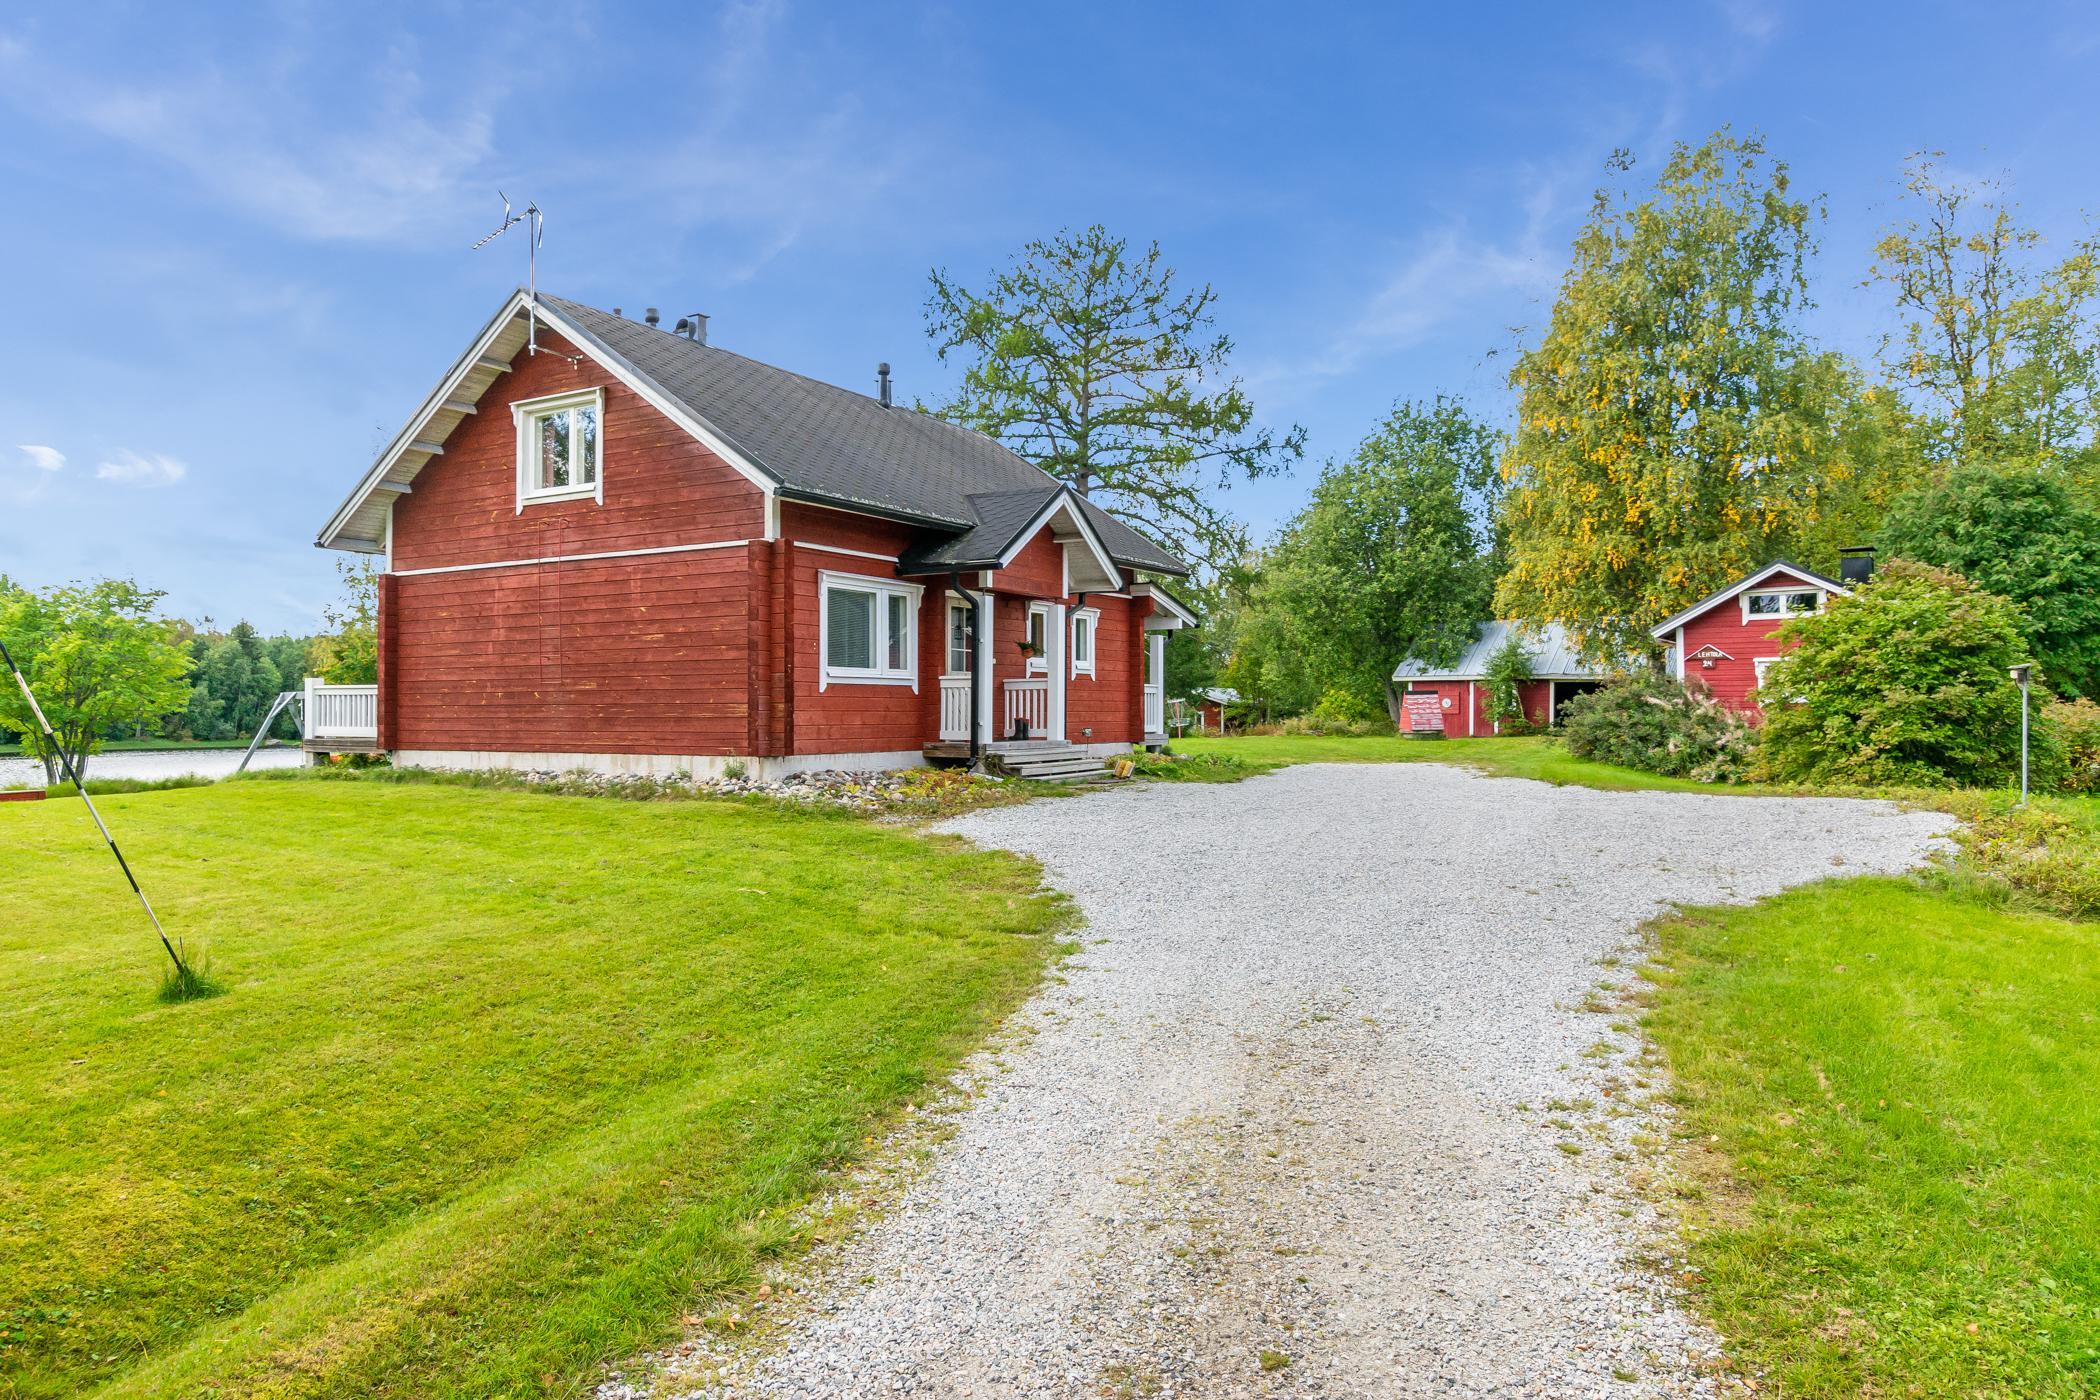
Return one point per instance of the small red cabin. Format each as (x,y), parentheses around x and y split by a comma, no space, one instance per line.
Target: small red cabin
(615,547)
(1723,643)
(1453,699)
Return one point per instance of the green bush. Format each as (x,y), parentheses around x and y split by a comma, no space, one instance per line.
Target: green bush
(1340,706)
(1653,723)
(2074,725)
(1507,670)
(1902,684)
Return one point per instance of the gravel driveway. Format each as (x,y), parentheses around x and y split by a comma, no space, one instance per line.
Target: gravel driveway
(1317,1111)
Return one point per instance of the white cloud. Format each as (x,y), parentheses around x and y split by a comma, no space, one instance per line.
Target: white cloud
(48,459)
(142,469)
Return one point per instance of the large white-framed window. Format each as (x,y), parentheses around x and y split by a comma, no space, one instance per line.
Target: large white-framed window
(960,659)
(1039,637)
(1086,631)
(561,447)
(868,630)
(1776,603)
(1763,664)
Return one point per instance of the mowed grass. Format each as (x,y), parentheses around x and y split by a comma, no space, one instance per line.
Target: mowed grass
(1529,756)
(501,1086)
(1891,1090)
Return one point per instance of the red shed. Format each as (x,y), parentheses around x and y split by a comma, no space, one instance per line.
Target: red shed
(1461,695)
(1723,643)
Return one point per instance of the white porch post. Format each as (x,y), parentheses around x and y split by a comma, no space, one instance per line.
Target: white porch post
(988,685)
(1055,645)
(1158,642)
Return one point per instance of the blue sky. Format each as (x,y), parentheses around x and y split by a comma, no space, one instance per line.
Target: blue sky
(237,257)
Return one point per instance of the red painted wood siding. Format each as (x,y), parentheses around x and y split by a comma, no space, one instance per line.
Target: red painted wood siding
(851,717)
(661,486)
(1038,571)
(1534,695)
(1111,701)
(651,654)
(1732,681)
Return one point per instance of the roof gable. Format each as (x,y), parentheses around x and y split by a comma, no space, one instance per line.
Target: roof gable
(797,438)
(1751,580)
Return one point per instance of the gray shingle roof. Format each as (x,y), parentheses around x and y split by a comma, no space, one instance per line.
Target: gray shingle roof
(1553,655)
(824,443)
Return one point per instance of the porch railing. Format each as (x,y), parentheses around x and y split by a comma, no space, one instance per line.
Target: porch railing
(1028,700)
(341,711)
(955,707)
(1155,717)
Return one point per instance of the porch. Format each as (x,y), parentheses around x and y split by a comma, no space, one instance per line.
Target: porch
(338,718)
(1059,646)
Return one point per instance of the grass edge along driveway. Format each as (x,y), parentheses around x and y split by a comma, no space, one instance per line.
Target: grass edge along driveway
(504,1085)
(1887,1125)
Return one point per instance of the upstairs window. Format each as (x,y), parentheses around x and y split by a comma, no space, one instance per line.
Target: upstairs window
(1782,602)
(560,447)
(869,630)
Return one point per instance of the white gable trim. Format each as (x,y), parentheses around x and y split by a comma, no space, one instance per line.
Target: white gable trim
(1705,605)
(1168,615)
(1062,501)
(411,440)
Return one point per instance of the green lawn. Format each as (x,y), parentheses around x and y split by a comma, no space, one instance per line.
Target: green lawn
(1889,1089)
(502,1084)
(1527,757)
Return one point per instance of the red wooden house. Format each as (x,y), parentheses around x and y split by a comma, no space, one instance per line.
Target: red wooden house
(1723,643)
(628,550)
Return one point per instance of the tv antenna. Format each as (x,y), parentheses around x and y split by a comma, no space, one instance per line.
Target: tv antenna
(536,223)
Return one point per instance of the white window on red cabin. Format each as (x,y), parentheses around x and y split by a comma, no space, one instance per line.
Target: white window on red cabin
(1763,664)
(560,447)
(1038,636)
(868,630)
(959,660)
(1782,602)
(1084,623)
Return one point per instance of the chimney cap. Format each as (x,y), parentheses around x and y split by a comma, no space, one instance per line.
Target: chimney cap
(650,316)
(882,380)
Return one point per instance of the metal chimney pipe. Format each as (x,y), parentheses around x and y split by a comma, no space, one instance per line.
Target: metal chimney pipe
(650,316)
(699,327)
(882,380)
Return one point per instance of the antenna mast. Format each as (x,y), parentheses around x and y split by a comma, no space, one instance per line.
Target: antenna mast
(535,224)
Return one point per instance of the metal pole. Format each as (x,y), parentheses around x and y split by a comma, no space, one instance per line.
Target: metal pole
(103,827)
(2023,742)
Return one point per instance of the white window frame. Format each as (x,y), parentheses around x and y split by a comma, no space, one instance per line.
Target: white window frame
(525,412)
(1093,640)
(957,631)
(1762,664)
(879,674)
(1784,611)
(1038,665)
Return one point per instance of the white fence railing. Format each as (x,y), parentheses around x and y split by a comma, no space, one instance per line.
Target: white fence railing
(955,707)
(1028,700)
(1155,718)
(341,711)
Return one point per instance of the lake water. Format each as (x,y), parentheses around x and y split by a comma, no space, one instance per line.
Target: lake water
(159,763)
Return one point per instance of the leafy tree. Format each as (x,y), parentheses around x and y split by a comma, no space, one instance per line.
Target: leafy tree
(1394,555)
(2023,537)
(1093,362)
(2002,354)
(1904,682)
(1507,671)
(349,654)
(97,657)
(1674,427)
